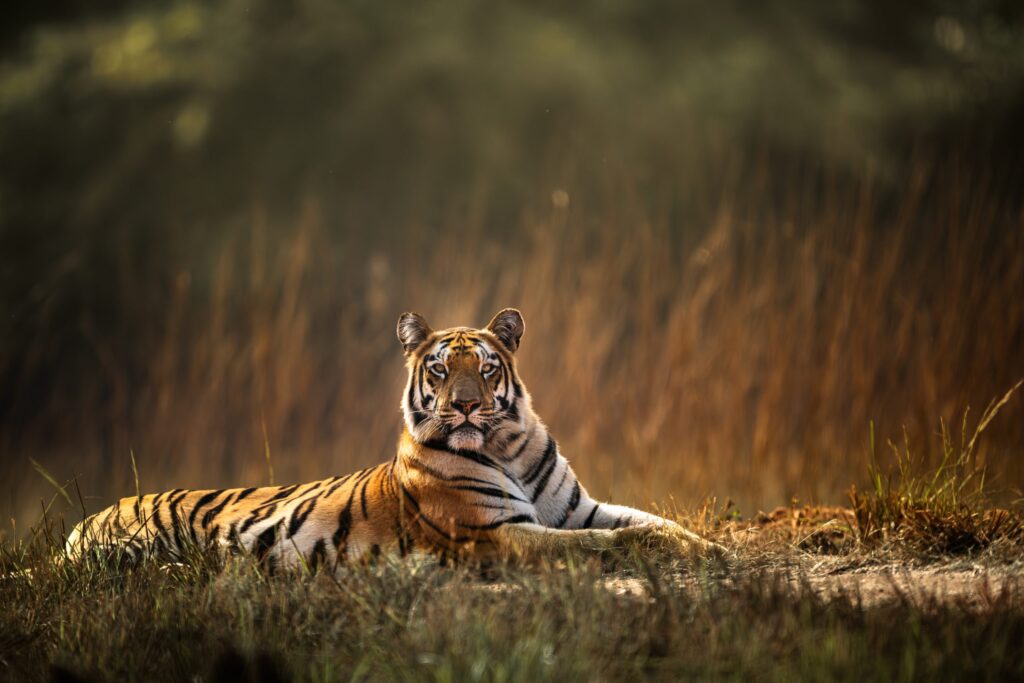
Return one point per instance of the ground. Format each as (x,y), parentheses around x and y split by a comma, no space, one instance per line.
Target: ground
(799,595)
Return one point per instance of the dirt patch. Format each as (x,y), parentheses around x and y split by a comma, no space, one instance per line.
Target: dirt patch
(818,548)
(969,586)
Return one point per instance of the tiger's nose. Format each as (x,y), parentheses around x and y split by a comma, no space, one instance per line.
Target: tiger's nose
(466,405)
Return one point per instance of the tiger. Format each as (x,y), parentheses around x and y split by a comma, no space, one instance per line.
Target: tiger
(476,474)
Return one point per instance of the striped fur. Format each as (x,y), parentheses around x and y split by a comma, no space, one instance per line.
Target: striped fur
(476,472)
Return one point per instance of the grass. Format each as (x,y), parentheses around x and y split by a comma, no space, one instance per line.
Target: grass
(797,597)
(742,356)
(212,619)
(946,510)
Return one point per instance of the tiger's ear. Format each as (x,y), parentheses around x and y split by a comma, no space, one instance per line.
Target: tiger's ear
(412,330)
(508,327)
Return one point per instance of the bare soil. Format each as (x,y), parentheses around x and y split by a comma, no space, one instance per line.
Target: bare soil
(817,548)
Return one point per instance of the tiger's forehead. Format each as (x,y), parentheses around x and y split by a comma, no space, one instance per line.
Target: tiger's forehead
(459,341)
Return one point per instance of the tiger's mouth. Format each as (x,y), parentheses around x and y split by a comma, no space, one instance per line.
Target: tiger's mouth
(466,435)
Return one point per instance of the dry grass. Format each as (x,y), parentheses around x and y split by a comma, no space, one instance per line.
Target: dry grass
(770,612)
(942,511)
(802,593)
(737,350)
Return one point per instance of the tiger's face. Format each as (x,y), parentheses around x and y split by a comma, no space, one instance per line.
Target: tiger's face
(463,391)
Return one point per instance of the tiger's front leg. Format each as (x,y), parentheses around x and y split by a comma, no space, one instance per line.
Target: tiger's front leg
(633,523)
(528,541)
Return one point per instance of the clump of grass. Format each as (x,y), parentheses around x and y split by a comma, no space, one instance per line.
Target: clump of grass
(945,511)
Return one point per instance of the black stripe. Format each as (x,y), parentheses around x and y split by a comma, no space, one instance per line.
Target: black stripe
(420,380)
(549,451)
(334,487)
(283,493)
(400,534)
(491,506)
(489,491)
(214,511)
(258,515)
(157,522)
(234,544)
(473,456)
(362,498)
(245,494)
(543,481)
(302,511)
(478,458)
(522,446)
(429,522)
(176,518)
(364,478)
(590,517)
(504,378)
(561,481)
(265,541)
(319,554)
(363,474)
(508,439)
(517,519)
(344,522)
(437,474)
(574,500)
(513,410)
(267,508)
(254,516)
(205,500)
(390,479)
(412,499)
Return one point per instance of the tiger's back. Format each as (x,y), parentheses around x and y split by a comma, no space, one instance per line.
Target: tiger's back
(335,519)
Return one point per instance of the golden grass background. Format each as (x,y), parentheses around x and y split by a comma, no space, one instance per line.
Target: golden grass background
(740,235)
(743,357)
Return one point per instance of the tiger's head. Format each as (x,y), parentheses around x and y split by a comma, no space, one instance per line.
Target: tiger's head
(463,390)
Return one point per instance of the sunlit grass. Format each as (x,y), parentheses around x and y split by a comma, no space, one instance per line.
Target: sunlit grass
(945,510)
(412,619)
(742,360)
(764,609)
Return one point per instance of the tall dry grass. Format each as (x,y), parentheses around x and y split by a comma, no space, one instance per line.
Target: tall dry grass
(738,347)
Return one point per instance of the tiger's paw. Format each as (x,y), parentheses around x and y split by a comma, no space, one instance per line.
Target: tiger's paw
(669,537)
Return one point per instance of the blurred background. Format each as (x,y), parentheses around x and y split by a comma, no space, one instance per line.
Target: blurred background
(741,233)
